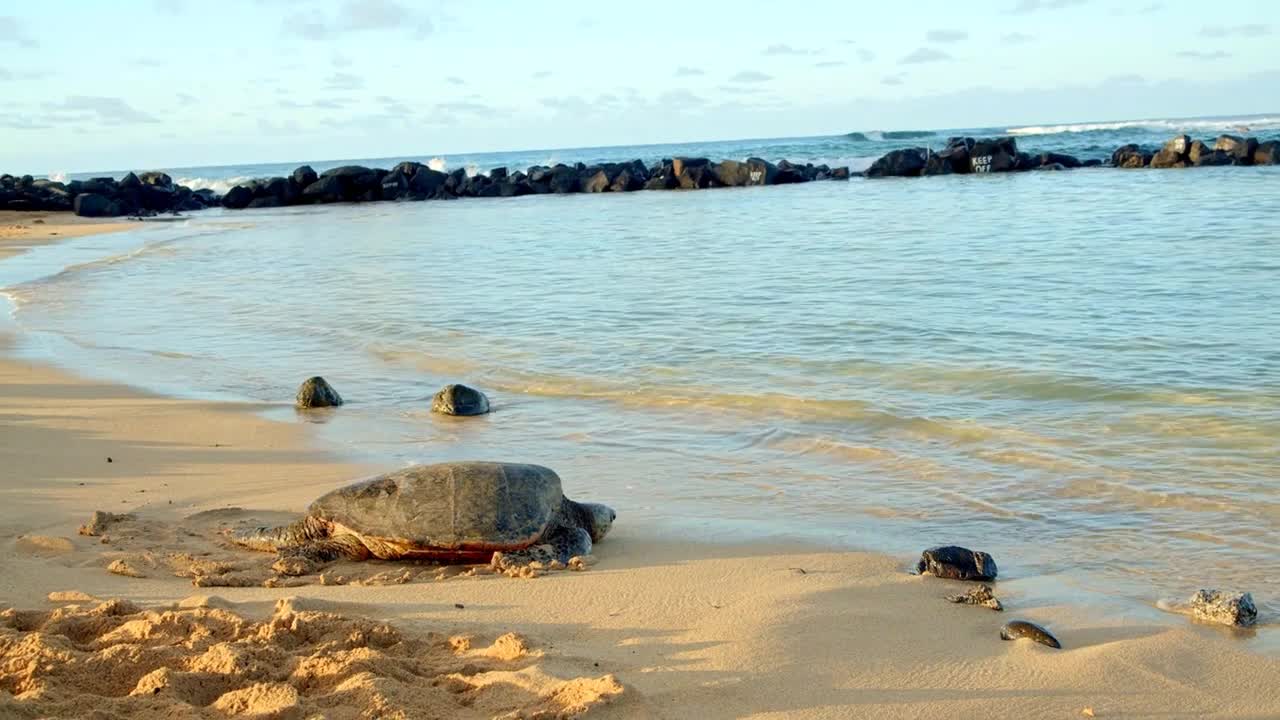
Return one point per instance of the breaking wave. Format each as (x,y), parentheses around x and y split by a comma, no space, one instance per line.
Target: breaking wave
(218,185)
(1244,124)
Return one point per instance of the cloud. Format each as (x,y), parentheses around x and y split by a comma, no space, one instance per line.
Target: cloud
(170,7)
(455,80)
(11,31)
(830,64)
(541,75)
(741,89)
(185,99)
(782,49)
(686,71)
(147,62)
(1154,7)
(1029,6)
(1199,55)
(866,55)
(464,107)
(924,55)
(750,76)
(1015,38)
(339,60)
(946,36)
(330,104)
(1220,31)
(891,80)
(681,97)
(107,110)
(344,81)
(359,16)
(23,123)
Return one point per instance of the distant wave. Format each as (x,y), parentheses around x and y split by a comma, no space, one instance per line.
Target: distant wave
(857,137)
(907,134)
(1237,124)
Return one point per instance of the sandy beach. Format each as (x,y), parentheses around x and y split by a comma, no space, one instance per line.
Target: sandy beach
(21,230)
(655,628)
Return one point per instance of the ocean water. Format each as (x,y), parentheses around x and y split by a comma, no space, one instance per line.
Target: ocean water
(1079,372)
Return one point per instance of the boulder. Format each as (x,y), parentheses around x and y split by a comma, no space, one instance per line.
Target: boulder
(593,180)
(156,178)
(957,563)
(1267,153)
(395,186)
(1166,158)
(908,162)
(1130,156)
(93,205)
(498,174)
(994,155)
(630,177)
(323,190)
(1225,608)
(1240,149)
(284,190)
(1213,158)
(693,173)
(459,400)
(789,173)
(1091,162)
(563,180)
(304,176)
(128,182)
(840,173)
(426,183)
(1066,161)
(954,158)
(662,176)
(238,197)
(316,392)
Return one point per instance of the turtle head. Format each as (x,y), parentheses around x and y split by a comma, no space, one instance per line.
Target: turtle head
(598,519)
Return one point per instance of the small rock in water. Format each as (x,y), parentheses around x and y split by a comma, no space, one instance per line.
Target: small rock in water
(980,595)
(316,392)
(957,563)
(1223,607)
(459,400)
(1022,629)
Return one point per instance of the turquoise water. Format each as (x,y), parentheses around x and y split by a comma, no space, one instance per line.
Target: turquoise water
(1079,372)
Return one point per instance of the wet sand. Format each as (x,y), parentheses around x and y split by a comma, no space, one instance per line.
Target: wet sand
(21,230)
(709,631)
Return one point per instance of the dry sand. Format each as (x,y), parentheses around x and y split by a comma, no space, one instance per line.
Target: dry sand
(656,628)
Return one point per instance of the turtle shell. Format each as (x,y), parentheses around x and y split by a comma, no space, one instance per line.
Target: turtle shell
(446,508)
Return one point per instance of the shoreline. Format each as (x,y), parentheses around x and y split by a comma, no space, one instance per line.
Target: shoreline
(717,630)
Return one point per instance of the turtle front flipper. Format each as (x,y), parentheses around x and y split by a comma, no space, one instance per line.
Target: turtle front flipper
(270,539)
(309,557)
(562,544)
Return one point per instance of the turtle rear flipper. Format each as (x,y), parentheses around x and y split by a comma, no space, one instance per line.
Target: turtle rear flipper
(270,539)
(309,557)
(562,544)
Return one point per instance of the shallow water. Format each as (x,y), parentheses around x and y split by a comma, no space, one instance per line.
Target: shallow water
(1079,372)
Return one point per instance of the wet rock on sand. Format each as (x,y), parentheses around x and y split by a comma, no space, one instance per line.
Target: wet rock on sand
(1223,607)
(957,563)
(1016,629)
(316,392)
(459,400)
(981,595)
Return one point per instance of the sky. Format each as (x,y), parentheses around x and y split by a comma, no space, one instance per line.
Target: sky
(179,83)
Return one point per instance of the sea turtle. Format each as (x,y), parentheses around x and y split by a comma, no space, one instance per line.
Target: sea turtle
(506,513)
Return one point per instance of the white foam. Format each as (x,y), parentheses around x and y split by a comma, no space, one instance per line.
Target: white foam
(1232,124)
(58,177)
(218,185)
(438,164)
